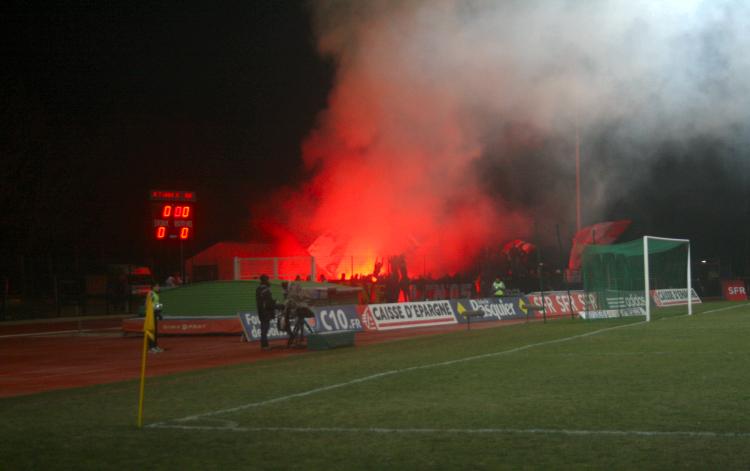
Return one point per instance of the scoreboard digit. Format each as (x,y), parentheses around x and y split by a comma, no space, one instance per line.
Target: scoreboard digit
(172,214)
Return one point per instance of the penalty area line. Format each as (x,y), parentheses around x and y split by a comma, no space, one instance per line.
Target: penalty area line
(497,431)
(390,373)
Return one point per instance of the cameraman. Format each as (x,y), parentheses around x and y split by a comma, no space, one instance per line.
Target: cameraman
(266,309)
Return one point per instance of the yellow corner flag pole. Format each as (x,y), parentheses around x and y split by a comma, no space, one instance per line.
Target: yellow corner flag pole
(149,328)
(143,381)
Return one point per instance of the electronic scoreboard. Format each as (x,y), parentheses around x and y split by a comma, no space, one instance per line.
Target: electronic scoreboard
(172,214)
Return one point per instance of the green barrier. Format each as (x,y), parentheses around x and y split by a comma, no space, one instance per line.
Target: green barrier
(330,340)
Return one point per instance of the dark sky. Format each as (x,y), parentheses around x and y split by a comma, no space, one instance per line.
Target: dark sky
(102,101)
(105,100)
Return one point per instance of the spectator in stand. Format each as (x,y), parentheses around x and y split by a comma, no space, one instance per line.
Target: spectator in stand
(392,288)
(498,287)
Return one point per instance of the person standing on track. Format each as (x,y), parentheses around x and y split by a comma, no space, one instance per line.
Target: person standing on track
(153,344)
(266,306)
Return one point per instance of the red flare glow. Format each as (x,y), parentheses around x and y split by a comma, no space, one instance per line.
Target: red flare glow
(393,163)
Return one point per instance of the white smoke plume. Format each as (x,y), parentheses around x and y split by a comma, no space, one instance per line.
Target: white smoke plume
(681,64)
(450,88)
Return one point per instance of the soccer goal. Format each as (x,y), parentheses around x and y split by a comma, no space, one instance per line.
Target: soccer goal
(620,279)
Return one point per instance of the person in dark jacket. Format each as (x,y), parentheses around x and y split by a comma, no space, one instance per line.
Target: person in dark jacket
(266,309)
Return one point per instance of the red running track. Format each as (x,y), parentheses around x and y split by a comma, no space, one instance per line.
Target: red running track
(36,359)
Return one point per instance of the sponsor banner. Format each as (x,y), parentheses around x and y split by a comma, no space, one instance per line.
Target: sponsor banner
(187,326)
(198,326)
(335,318)
(734,290)
(251,325)
(613,313)
(630,299)
(557,303)
(494,309)
(673,297)
(327,319)
(408,315)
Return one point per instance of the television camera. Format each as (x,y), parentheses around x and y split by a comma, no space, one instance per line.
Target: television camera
(293,313)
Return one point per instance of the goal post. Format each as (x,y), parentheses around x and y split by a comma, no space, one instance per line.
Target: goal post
(646,277)
(620,279)
(278,268)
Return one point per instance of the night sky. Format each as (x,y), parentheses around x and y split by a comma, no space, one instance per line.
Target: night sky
(103,101)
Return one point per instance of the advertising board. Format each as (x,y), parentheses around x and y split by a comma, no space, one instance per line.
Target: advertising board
(408,315)
(734,290)
(557,303)
(673,297)
(612,313)
(327,319)
(494,309)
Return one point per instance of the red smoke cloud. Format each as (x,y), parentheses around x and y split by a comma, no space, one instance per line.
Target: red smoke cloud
(394,196)
(426,88)
(393,169)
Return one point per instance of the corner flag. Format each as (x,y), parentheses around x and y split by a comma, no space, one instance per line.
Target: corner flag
(149,332)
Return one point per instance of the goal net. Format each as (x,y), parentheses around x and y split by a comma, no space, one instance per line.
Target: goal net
(619,279)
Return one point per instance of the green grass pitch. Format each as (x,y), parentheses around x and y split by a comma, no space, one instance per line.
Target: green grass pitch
(568,394)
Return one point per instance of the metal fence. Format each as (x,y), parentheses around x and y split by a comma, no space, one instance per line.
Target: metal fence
(280,268)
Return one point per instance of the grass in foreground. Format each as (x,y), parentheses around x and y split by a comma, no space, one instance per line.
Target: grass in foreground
(670,394)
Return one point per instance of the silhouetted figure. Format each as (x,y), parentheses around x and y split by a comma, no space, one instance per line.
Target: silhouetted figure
(266,309)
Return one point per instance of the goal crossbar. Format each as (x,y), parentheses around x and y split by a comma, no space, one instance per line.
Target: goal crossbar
(647,291)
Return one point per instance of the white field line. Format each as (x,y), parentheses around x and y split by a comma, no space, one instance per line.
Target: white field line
(57,332)
(639,353)
(389,373)
(710,311)
(230,427)
(735,306)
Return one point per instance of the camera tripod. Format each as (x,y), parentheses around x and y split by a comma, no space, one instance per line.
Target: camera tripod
(296,328)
